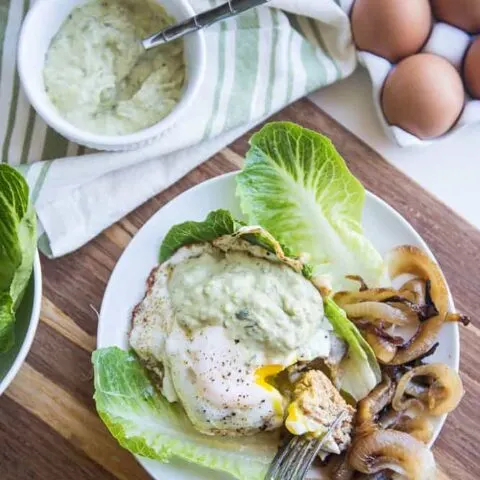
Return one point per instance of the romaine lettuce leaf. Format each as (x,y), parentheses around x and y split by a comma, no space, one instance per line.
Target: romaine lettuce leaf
(7,321)
(146,424)
(217,223)
(296,185)
(359,372)
(17,247)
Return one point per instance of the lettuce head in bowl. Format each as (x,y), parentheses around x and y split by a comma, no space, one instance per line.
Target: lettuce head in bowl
(20,276)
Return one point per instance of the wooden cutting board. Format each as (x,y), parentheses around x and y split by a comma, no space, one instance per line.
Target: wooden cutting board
(48,426)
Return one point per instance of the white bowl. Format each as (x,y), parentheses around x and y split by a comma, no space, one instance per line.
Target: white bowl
(27,317)
(42,23)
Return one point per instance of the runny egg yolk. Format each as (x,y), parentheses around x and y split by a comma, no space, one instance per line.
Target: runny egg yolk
(297,423)
(261,376)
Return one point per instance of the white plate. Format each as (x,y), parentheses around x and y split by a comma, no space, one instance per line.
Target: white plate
(383,225)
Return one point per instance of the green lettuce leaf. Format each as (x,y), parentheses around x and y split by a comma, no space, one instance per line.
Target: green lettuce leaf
(7,321)
(217,223)
(296,185)
(13,206)
(17,247)
(358,372)
(146,424)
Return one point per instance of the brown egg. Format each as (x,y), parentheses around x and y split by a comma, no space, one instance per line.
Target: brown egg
(423,95)
(392,29)
(471,69)
(464,14)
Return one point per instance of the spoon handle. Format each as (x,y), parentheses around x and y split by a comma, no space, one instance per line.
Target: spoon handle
(204,19)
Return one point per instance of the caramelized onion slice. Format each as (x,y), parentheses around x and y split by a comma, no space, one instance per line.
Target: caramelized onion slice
(383,345)
(417,362)
(380,312)
(414,310)
(417,293)
(369,407)
(409,422)
(416,290)
(389,417)
(458,317)
(418,427)
(360,280)
(444,391)
(371,295)
(409,259)
(397,451)
(412,260)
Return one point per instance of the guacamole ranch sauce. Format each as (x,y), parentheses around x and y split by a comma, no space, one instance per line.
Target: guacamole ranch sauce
(264,304)
(95,49)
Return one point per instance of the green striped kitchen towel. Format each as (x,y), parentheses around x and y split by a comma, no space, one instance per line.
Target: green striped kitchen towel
(257,63)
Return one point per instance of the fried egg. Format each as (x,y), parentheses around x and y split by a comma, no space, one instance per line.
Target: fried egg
(217,324)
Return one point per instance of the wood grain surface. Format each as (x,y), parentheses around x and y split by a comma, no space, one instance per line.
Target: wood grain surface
(48,426)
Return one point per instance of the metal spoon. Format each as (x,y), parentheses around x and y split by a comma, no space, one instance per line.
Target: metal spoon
(197,22)
(123,89)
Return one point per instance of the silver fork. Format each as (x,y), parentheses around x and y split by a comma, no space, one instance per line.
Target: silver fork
(293,460)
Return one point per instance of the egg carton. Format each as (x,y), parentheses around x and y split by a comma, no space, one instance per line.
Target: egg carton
(446,41)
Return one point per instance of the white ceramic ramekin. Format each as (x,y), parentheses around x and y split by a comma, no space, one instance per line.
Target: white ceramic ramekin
(44,20)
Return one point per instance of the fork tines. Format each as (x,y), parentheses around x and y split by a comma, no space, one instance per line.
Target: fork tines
(293,460)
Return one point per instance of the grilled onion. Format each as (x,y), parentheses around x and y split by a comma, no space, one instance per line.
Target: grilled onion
(412,260)
(360,280)
(377,311)
(423,303)
(409,259)
(389,418)
(458,317)
(397,451)
(415,290)
(442,395)
(390,431)
(370,295)
(383,344)
(373,403)
(418,427)
(408,422)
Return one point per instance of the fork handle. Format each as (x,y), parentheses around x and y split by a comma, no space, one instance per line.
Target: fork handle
(204,19)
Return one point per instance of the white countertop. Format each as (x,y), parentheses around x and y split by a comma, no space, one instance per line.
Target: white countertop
(448,168)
